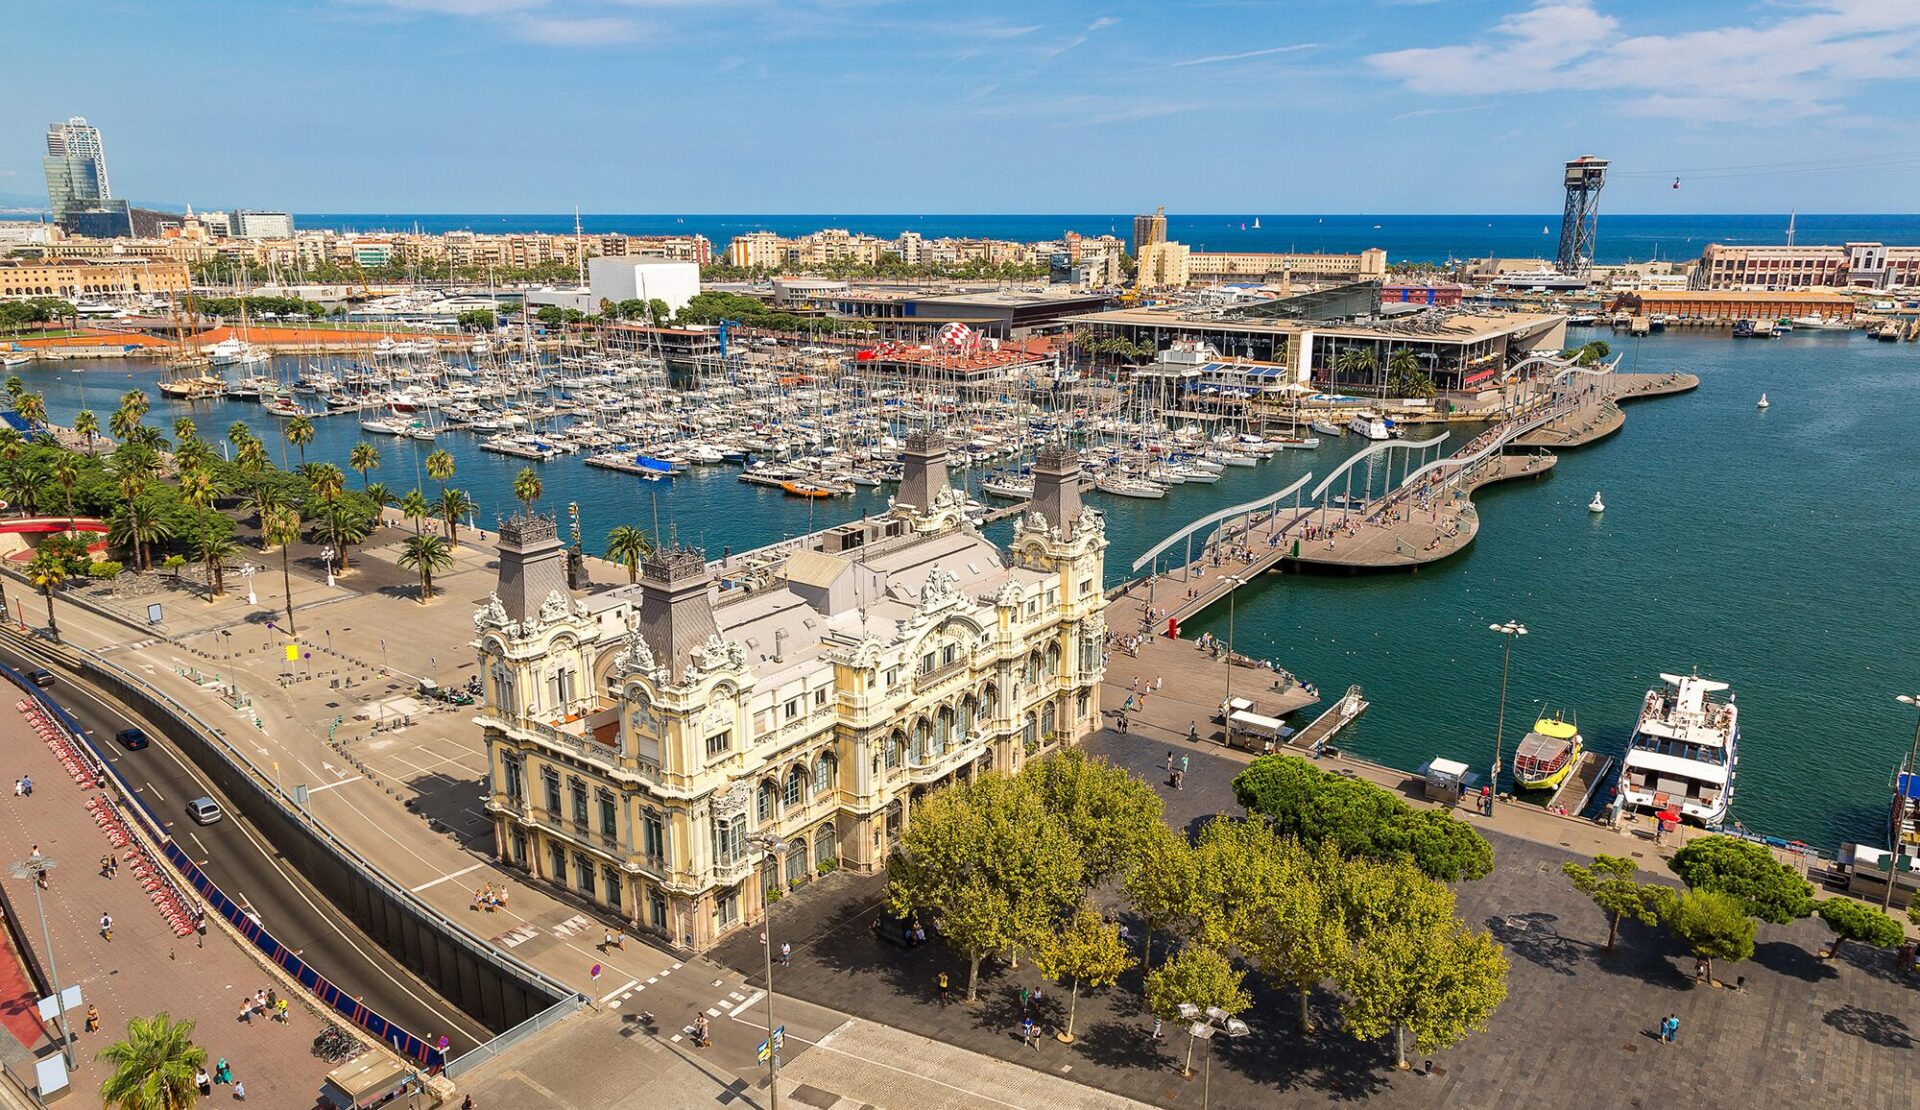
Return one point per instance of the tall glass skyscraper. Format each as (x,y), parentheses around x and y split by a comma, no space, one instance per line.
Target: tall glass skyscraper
(76,169)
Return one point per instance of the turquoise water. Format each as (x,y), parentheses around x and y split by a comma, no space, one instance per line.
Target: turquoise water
(1773,550)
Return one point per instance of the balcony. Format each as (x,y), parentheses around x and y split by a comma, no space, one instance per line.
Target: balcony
(935,768)
(927,680)
(728,872)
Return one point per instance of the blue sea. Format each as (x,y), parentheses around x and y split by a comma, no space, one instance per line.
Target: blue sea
(1622,238)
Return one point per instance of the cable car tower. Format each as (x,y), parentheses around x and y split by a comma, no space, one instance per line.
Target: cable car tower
(1580,221)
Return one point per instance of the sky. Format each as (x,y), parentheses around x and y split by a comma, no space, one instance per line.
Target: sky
(911,106)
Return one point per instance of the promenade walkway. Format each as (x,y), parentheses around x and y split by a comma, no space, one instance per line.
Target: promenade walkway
(145,968)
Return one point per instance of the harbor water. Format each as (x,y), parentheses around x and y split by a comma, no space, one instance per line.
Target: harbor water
(1772,549)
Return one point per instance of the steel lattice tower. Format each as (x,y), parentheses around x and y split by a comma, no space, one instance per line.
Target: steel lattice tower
(1581,219)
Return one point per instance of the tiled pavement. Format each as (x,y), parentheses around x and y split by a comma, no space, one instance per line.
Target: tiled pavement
(145,968)
(1573,1032)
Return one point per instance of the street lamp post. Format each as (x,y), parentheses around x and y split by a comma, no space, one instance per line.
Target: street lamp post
(327,554)
(773,846)
(35,867)
(1906,799)
(1233,583)
(1510,630)
(1203,1025)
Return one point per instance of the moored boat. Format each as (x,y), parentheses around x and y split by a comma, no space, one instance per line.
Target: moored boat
(1684,754)
(1547,755)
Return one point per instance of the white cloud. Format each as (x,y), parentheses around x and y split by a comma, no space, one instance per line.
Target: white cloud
(1212,59)
(1080,39)
(1800,63)
(591,31)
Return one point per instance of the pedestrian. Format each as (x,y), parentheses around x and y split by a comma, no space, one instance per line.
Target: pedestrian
(606,939)
(468,1104)
(943,986)
(93,1018)
(239,1091)
(1178,777)
(1026,999)
(222,1071)
(203,1081)
(620,939)
(1193,737)
(19,788)
(273,999)
(1701,969)
(1030,1034)
(786,955)
(106,866)
(246,1011)
(1183,766)
(1156,682)
(280,1011)
(1169,761)
(700,1038)
(106,927)
(1123,724)
(1158,1034)
(1673,1027)
(27,781)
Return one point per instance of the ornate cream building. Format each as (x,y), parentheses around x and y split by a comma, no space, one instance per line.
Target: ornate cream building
(638,736)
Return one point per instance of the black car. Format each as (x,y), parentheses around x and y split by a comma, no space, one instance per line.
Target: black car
(40,676)
(131,739)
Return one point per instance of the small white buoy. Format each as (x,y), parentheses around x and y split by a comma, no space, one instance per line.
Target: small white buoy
(1596,505)
(1763,401)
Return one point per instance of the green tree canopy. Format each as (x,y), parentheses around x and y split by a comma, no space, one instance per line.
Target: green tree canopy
(1714,926)
(1414,967)
(1851,920)
(1198,976)
(1298,936)
(988,858)
(1107,810)
(1087,951)
(1613,884)
(1769,889)
(1362,820)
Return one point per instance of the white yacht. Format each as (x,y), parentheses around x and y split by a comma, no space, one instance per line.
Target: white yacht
(1684,754)
(1373,426)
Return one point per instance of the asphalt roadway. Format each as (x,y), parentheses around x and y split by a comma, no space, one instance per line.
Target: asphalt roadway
(241,860)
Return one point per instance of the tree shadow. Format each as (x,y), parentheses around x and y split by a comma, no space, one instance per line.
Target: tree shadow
(1877,962)
(1535,937)
(1646,954)
(1124,1044)
(1873,1026)
(1792,960)
(452,806)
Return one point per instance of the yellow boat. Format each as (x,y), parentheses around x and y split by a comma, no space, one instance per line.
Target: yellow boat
(1548,754)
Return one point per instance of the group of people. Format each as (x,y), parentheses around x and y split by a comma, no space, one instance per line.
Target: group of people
(222,1073)
(265,1002)
(490,898)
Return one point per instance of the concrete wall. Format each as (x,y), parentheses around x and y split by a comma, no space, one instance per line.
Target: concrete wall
(625,279)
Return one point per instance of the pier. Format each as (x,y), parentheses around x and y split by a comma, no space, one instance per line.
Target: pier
(1428,516)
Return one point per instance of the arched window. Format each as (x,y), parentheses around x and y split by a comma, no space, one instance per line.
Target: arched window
(1029,733)
(1047,719)
(943,731)
(1052,665)
(920,736)
(969,711)
(797,861)
(763,805)
(822,774)
(896,750)
(796,786)
(824,845)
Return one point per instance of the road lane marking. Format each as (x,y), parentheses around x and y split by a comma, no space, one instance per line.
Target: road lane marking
(755,997)
(331,785)
(627,986)
(444,878)
(156,792)
(196,840)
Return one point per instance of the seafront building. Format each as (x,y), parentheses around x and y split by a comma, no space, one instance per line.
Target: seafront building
(637,737)
(1860,265)
(91,278)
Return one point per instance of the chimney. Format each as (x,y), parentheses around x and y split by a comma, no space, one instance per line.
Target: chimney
(923,471)
(676,615)
(779,645)
(533,564)
(1056,486)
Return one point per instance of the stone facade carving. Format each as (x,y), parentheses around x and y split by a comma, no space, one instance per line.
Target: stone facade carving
(555,607)
(732,802)
(491,614)
(635,657)
(938,588)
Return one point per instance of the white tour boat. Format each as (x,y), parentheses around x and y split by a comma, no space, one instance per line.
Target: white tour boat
(1684,754)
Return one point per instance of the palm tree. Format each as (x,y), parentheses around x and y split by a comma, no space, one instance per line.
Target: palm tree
(343,526)
(454,504)
(135,401)
(214,548)
(440,467)
(379,496)
(415,506)
(32,408)
(239,435)
(326,482)
(154,1068)
(135,529)
(300,433)
(87,425)
(66,471)
(198,487)
(628,545)
(527,488)
(364,457)
(280,524)
(48,571)
(185,431)
(15,386)
(428,555)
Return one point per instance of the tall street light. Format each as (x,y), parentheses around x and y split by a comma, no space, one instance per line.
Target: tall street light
(35,868)
(774,847)
(1905,801)
(1232,582)
(1510,630)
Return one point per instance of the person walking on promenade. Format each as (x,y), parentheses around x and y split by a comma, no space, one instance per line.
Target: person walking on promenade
(786,955)
(1193,737)
(1670,1028)
(1123,724)
(942,981)
(1030,1034)
(93,1018)
(106,927)
(1169,761)
(106,866)
(1183,766)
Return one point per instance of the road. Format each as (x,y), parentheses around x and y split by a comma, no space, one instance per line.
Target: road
(239,858)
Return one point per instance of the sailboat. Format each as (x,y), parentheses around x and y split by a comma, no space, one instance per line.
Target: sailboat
(1256,223)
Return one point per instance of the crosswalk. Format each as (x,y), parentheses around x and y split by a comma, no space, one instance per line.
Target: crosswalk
(514,938)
